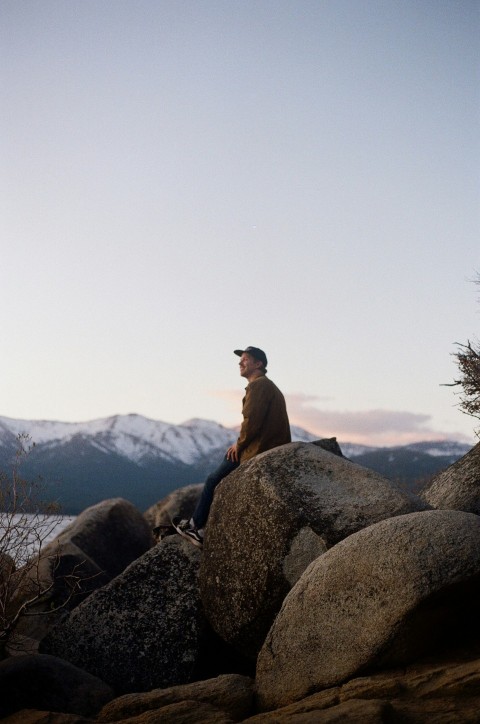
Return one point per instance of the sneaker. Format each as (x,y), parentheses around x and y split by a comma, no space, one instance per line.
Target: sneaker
(188,531)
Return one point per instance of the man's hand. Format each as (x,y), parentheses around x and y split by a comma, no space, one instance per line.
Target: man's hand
(232,453)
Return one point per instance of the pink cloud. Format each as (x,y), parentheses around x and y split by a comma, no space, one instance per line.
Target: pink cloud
(368,427)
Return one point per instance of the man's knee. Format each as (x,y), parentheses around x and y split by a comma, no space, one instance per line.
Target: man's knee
(212,481)
(221,472)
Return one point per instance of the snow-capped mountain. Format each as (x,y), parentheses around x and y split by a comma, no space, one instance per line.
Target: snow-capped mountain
(134,437)
(137,438)
(142,459)
(129,456)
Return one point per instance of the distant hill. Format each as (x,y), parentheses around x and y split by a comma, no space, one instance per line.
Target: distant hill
(412,465)
(143,460)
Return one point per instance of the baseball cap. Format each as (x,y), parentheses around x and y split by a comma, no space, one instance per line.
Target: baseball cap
(255,352)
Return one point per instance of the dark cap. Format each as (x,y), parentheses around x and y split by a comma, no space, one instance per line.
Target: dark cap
(255,352)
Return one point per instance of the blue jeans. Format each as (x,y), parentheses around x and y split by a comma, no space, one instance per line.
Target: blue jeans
(203,506)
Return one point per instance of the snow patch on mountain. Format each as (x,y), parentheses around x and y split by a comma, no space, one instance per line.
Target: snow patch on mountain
(448,448)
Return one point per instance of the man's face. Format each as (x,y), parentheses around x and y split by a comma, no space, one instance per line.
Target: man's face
(248,365)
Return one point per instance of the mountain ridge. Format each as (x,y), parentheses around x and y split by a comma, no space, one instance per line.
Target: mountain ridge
(163,435)
(141,459)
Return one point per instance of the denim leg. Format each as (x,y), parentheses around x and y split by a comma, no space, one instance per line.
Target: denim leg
(203,506)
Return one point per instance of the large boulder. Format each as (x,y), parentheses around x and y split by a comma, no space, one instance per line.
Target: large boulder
(180,502)
(457,487)
(383,597)
(99,544)
(48,683)
(270,518)
(112,533)
(143,630)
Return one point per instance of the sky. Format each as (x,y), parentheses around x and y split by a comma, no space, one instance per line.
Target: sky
(182,178)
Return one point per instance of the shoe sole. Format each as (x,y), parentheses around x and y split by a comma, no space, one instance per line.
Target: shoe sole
(194,542)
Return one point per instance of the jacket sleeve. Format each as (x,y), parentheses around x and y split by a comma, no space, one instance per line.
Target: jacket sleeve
(255,407)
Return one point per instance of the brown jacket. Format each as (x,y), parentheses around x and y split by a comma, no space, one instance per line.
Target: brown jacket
(265,420)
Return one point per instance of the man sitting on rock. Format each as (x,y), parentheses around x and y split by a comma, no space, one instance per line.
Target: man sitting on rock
(265,425)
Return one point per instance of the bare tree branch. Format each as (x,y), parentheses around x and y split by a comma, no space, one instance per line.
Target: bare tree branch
(26,525)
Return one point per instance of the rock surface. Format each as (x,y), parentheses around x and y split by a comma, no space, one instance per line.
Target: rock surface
(370,711)
(442,691)
(445,690)
(112,533)
(297,498)
(183,712)
(232,694)
(34,716)
(142,630)
(48,683)
(457,487)
(330,444)
(180,502)
(97,546)
(67,575)
(379,598)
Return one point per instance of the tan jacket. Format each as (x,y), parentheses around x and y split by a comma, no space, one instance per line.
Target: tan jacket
(265,420)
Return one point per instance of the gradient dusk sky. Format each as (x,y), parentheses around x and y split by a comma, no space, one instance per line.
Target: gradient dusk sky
(181,178)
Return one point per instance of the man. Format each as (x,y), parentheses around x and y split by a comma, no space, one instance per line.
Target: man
(265,425)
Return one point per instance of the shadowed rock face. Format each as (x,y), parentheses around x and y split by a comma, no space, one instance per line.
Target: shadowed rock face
(457,487)
(143,629)
(45,682)
(231,694)
(382,597)
(100,543)
(53,572)
(272,517)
